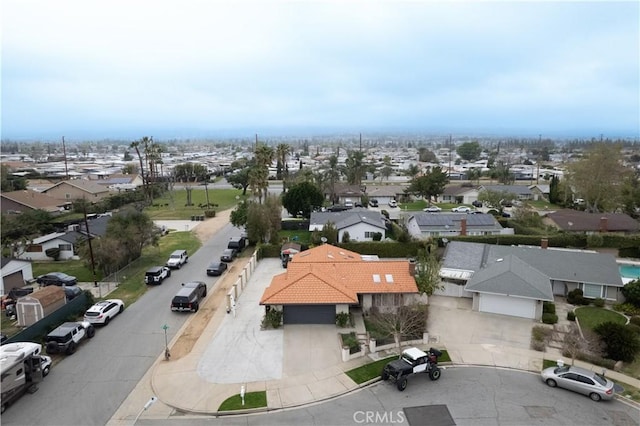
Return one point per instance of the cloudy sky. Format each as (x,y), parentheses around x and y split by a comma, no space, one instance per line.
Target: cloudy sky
(124,69)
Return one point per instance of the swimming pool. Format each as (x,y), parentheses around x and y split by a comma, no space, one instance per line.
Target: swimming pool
(630,271)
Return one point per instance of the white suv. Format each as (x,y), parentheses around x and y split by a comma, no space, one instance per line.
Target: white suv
(177,259)
(102,312)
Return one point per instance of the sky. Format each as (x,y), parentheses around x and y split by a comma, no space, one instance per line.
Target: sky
(186,69)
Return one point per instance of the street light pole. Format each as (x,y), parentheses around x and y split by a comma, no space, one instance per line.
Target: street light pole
(167,355)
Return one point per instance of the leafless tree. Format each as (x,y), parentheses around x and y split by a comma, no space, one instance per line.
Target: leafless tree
(405,321)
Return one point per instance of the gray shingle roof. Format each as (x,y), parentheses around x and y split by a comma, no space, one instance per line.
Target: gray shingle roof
(514,189)
(453,219)
(348,218)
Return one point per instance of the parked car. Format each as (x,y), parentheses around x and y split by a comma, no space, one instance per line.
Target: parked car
(216,268)
(505,214)
(237,243)
(337,208)
(56,278)
(157,274)
(358,204)
(477,203)
(373,202)
(67,336)
(461,209)
(228,255)
(393,203)
(189,296)
(71,291)
(432,209)
(177,259)
(102,312)
(580,380)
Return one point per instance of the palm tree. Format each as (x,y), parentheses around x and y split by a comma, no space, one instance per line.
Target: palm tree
(259,174)
(282,151)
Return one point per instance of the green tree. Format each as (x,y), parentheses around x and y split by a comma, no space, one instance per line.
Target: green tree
(240,179)
(494,199)
(354,167)
(469,151)
(263,220)
(554,190)
(134,230)
(259,173)
(622,343)
(630,194)
(428,185)
(11,182)
(130,169)
(427,271)
(385,172)
(302,197)
(238,217)
(19,229)
(426,156)
(328,231)
(502,172)
(282,152)
(631,292)
(190,172)
(412,170)
(474,174)
(599,177)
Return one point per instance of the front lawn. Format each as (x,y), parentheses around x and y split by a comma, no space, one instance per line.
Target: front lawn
(172,205)
(591,316)
(75,268)
(251,400)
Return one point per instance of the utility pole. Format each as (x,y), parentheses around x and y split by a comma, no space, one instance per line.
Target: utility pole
(539,157)
(449,173)
(64,153)
(86,226)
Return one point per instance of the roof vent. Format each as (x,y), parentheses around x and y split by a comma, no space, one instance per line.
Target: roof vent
(499,260)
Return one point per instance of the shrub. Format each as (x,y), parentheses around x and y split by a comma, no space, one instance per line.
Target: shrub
(633,327)
(209,213)
(377,236)
(549,318)
(598,302)
(346,237)
(350,340)
(635,320)
(622,344)
(548,308)
(571,316)
(575,297)
(540,336)
(272,319)
(53,252)
(342,319)
(627,308)
(631,292)
(595,240)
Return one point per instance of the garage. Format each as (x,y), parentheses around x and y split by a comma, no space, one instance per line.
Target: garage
(309,314)
(508,305)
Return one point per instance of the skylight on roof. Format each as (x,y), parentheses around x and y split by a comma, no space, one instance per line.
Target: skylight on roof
(388,277)
(376,278)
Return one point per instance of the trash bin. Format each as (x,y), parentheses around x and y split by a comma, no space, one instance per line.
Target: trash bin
(193,218)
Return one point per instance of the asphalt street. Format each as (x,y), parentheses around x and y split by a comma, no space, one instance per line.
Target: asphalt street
(463,396)
(87,387)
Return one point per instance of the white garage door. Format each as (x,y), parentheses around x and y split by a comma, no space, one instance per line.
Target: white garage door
(517,307)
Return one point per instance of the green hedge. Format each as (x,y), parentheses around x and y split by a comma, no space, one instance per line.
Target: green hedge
(382,249)
(549,318)
(628,245)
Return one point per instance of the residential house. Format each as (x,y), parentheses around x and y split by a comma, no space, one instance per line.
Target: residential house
(423,225)
(516,281)
(65,241)
(119,181)
(521,192)
(386,193)
(327,280)
(14,274)
(27,200)
(540,192)
(361,224)
(76,189)
(569,220)
(459,194)
(344,192)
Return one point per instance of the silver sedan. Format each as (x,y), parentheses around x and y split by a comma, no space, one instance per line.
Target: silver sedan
(580,380)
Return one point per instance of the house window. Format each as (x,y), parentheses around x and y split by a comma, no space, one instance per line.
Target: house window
(369,234)
(393,299)
(592,290)
(67,196)
(64,247)
(34,248)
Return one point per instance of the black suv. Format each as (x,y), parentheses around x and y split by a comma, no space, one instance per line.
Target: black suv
(189,296)
(237,243)
(68,336)
(156,274)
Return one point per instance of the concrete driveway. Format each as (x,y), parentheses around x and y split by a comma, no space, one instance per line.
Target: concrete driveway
(242,352)
(451,321)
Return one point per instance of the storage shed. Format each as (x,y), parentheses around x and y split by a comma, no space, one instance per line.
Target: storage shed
(32,308)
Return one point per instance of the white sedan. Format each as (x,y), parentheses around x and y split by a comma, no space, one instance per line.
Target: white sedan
(102,312)
(461,209)
(432,209)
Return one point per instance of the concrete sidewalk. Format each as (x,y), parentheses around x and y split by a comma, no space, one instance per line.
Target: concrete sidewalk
(181,389)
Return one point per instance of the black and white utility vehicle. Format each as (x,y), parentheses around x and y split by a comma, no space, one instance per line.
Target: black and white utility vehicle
(412,361)
(157,274)
(67,337)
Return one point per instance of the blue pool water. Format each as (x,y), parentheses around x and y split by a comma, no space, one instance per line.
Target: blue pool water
(630,271)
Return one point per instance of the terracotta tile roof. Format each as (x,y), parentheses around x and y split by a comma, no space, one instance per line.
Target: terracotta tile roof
(336,281)
(327,253)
